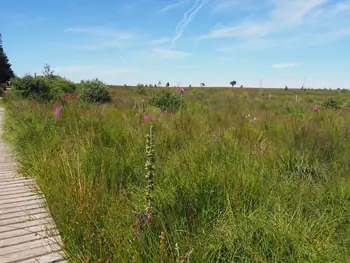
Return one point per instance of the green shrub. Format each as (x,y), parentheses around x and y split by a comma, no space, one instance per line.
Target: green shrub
(62,84)
(42,87)
(141,89)
(32,87)
(167,101)
(331,103)
(94,91)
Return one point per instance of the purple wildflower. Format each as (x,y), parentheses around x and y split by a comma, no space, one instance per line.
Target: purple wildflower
(58,112)
(147,117)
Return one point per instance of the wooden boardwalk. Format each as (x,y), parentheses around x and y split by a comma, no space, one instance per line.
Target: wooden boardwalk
(27,233)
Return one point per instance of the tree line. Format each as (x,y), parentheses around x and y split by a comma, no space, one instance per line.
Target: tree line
(6,72)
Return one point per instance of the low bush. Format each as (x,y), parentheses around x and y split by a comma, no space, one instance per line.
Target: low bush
(331,103)
(167,101)
(42,87)
(94,91)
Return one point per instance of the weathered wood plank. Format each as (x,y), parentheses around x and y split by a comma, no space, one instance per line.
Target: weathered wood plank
(29,230)
(20,208)
(28,253)
(53,258)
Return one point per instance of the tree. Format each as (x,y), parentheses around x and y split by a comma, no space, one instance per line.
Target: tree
(167,84)
(6,72)
(233,82)
(202,84)
(48,72)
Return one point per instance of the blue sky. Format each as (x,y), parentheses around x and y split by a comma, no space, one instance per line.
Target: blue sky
(276,42)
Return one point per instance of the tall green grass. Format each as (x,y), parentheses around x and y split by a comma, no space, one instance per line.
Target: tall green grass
(226,188)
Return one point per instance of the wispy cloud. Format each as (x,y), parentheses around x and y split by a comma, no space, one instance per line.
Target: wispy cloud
(284,15)
(228,5)
(94,69)
(188,16)
(102,32)
(173,6)
(286,65)
(94,45)
(122,58)
(97,38)
(293,23)
(161,40)
(172,54)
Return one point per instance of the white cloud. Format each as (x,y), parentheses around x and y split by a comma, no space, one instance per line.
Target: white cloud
(97,70)
(173,6)
(287,23)
(94,45)
(188,16)
(161,40)
(165,53)
(286,65)
(98,38)
(284,15)
(234,5)
(102,32)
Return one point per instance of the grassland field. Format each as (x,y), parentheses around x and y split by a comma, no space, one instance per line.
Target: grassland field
(241,175)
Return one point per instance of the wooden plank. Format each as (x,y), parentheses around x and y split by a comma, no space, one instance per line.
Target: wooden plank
(13,189)
(6,207)
(25,181)
(22,213)
(10,203)
(23,225)
(28,253)
(27,245)
(21,219)
(11,196)
(20,209)
(53,258)
(23,239)
(36,229)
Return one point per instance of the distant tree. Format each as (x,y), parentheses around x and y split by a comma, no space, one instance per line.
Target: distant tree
(190,86)
(233,82)
(241,86)
(167,84)
(159,84)
(6,72)
(47,71)
(286,87)
(202,84)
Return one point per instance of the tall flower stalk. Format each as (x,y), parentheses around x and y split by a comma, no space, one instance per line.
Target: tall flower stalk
(149,167)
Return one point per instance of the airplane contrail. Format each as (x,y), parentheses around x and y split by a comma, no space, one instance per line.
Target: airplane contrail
(122,59)
(186,20)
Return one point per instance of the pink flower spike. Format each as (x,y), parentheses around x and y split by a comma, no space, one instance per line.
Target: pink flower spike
(248,115)
(254,119)
(148,217)
(58,112)
(316,108)
(182,90)
(147,117)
